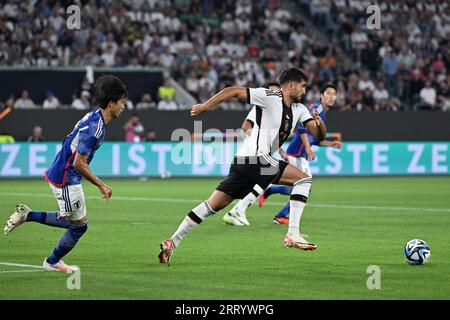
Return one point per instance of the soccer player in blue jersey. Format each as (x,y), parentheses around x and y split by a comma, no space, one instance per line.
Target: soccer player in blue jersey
(300,153)
(67,170)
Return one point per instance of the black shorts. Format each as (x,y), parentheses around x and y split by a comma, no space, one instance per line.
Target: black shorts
(245,172)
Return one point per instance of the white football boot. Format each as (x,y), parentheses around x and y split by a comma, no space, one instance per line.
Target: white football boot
(242,217)
(236,218)
(298,242)
(230,218)
(59,266)
(18,217)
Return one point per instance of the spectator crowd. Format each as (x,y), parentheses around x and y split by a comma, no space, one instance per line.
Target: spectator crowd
(207,45)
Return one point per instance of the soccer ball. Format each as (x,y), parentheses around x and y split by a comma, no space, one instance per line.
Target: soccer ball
(417,251)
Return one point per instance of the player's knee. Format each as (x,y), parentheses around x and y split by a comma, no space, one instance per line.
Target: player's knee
(301,189)
(305,180)
(302,175)
(295,175)
(81,229)
(216,205)
(78,230)
(219,200)
(298,178)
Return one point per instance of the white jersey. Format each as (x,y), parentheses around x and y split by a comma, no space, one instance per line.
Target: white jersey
(252,115)
(252,118)
(273,122)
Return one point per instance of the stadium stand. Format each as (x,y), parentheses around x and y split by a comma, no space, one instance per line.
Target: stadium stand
(247,43)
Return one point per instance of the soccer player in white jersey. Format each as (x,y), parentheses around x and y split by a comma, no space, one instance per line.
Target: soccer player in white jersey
(299,153)
(277,114)
(237,215)
(68,168)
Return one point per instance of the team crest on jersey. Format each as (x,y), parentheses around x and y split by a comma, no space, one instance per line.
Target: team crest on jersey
(77,205)
(284,132)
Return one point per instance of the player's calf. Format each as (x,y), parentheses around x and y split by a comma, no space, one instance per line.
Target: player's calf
(297,202)
(193,219)
(53,219)
(217,201)
(67,242)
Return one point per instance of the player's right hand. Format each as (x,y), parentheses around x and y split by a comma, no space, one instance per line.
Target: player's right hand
(337,145)
(106,191)
(311,154)
(198,109)
(316,116)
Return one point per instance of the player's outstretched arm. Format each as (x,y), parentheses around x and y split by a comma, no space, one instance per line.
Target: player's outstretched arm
(331,144)
(308,149)
(224,95)
(81,165)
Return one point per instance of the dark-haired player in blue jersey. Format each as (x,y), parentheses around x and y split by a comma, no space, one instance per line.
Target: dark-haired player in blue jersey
(299,152)
(67,170)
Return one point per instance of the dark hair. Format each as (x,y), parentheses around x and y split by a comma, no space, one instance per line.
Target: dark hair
(109,88)
(292,74)
(326,86)
(273,83)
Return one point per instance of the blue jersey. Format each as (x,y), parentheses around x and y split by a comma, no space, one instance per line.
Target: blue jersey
(85,138)
(296,147)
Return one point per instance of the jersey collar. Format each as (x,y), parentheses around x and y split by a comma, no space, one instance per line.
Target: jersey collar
(283,103)
(101,115)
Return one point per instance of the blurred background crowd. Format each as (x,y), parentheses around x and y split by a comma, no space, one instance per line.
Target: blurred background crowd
(206,45)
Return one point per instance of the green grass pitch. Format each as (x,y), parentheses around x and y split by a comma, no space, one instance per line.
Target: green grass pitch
(356,222)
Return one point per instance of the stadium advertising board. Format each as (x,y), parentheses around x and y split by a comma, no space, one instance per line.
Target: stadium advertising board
(172,159)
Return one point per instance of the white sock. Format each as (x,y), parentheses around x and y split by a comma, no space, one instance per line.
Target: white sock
(200,212)
(299,195)
(194,218)
(248,200)
(295,214)
(185,227)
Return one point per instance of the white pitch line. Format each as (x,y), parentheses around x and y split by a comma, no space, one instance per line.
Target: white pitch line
(338,206)
(19,271)
(20,265)
(168,200)
(10,264)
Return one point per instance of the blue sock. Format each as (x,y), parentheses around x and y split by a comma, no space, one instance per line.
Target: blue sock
(284,213)
(278,189)
(49,218)
(67,242)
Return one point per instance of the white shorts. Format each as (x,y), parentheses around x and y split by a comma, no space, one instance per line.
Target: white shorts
(301,163)
(70,201)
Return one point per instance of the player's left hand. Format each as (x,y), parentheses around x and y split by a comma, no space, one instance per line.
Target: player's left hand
(337,145)
(284,156)
(198,109)
(105,191)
